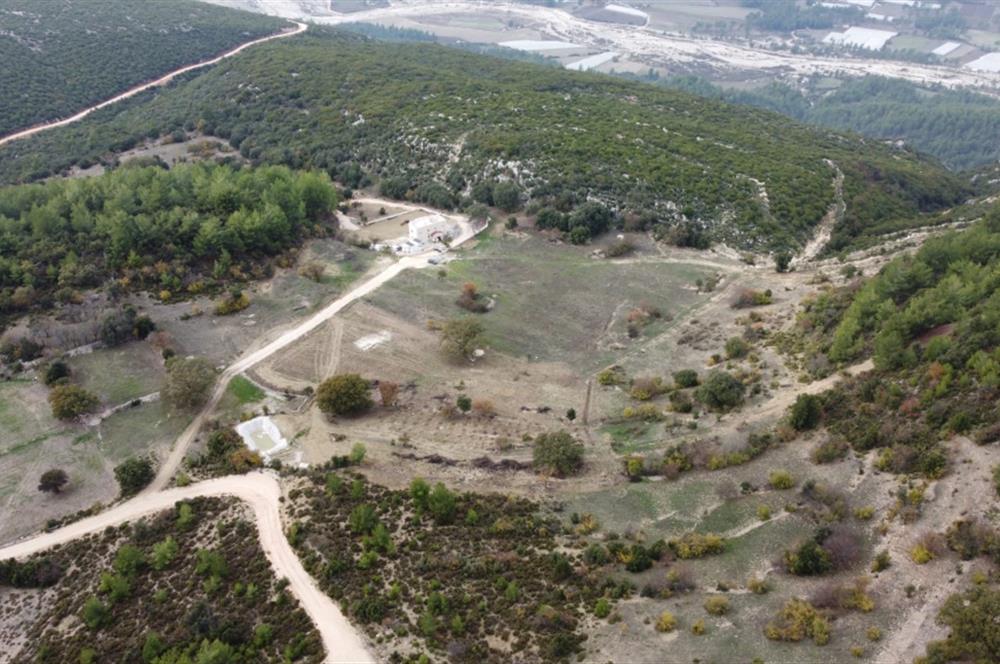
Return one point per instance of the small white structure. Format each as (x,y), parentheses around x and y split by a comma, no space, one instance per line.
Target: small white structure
(592,61)
(946,48)
(538,45)
(988,62)
(867,38)
(261,435)
(430,229)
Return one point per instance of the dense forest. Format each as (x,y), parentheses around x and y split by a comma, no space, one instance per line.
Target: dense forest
(188,229)
(959,127)
(931,322)
(437,121)
(60,56)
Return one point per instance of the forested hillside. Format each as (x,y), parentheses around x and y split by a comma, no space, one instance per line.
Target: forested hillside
(959,127)
(932,324)
(186,230)
(433,121)
(60,56)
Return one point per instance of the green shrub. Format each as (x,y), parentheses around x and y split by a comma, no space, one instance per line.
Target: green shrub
(806,412)
(781,480)
(557,453)
(344,394)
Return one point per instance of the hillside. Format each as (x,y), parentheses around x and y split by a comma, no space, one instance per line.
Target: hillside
(61,56)
(956,126)
(434,121)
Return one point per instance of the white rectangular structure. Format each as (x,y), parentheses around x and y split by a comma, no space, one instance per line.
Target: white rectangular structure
(946,48)
(988,62)
(261,435)
(538,45)
(867,38)
(592,61)
(430,229)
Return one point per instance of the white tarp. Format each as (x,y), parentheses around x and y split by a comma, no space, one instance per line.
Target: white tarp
(592,61)
(867,38)
(946,48)
(261,435)
(538,45)
(989,62)
(631,11)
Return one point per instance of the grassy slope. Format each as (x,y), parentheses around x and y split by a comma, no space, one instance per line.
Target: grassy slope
(335,101)
(60,56)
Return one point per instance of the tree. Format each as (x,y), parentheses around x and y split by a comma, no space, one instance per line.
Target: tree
(344,394)
(974,631)
(71,401)
(782,261)
(464,403)
(721,391)
(55,372)
(507,196)
(460,337)
(188,382)
(557,453)
(571,414)
(95,614)
(806,412)
(134,474)
(53,481)
(441,503)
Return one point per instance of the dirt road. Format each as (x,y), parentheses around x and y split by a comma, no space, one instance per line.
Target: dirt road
(170,465)
(261,492)
(163,80)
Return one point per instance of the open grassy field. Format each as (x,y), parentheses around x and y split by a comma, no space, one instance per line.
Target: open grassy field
(552,301)
(33,442)
(117,375)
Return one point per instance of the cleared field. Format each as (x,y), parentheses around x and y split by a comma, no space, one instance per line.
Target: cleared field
(552,302)
(117,375)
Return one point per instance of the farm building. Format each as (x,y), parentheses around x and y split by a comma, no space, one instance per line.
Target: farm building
(430,229)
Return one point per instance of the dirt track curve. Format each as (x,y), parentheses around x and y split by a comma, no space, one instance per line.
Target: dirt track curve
(261,492)
(142,87)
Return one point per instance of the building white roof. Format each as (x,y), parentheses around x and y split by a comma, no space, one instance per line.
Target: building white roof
(592,61)
(538,45)
(427,222)
(631,11)
(989,62)
(868,38)
(946,48)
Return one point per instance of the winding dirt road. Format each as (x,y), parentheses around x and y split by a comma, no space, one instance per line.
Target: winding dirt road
(260,490)
(262,493)
(163,80)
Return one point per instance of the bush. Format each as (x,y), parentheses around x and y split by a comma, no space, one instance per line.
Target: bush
(697,545)
(53,481)
(806,412)
(95,614)
(717,605)
(557,453)
(603,608)
(721,391)
(736,348)
(133,475)
(782,261)
(666,622)
(344,394)
(55,372)
(921,555)
(810,559)
(71,401)
(781,480)
(829,451)
(798,620)
(881,561)
(460,337)
(698,627)
(686,378)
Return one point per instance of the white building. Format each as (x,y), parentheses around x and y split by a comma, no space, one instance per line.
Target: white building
(261,435)
(867,38)
(430,229)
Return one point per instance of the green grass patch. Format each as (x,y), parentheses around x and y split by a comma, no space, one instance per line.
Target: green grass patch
(244,390)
